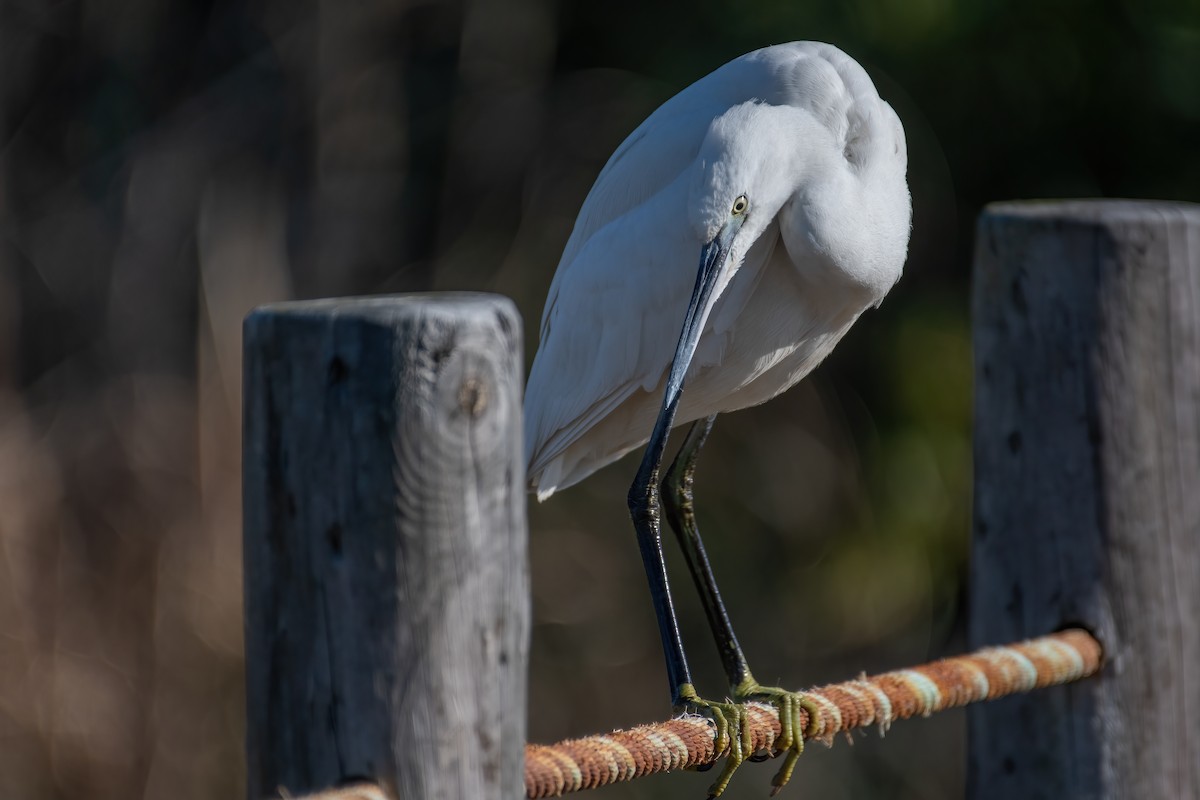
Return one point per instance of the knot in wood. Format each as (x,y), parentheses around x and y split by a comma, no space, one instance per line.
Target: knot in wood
(473,396)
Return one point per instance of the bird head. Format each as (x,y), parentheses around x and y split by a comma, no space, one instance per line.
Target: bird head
(747,169)
(749,166)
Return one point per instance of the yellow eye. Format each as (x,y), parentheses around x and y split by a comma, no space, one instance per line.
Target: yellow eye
(739,205)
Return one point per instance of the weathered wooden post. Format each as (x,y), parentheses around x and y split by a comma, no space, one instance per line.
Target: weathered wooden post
(387,610)
(1087,492)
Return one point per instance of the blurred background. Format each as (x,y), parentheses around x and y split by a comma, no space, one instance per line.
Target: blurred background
(164,167)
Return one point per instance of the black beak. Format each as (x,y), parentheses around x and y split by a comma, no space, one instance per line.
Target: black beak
(712,258)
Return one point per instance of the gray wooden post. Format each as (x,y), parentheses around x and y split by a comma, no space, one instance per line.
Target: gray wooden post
(1087,492)
(387,606)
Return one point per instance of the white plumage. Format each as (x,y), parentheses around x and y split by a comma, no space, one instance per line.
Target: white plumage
(799,131)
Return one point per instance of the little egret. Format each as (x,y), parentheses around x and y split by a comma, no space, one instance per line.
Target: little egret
(784,172)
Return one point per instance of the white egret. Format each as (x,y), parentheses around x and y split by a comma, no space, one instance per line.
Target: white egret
(784,172)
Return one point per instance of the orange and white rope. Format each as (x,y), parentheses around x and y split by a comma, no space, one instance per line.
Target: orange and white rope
(689,741)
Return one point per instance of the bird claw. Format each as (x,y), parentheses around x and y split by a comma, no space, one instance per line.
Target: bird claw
(733,729)
(733,732)
(792,732)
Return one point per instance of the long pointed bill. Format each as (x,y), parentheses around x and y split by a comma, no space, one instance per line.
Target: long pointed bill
(712,259)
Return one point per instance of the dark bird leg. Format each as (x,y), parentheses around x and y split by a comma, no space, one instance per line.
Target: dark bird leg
(644,510)
(729,718)
(678,502)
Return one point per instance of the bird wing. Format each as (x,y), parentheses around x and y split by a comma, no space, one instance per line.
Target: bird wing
(603,361)
(621,306)
(640,168)
(620,303)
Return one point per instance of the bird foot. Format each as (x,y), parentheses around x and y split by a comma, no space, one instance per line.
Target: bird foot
(793,733)
(733,733)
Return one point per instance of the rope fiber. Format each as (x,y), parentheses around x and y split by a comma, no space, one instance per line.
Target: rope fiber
(689,741)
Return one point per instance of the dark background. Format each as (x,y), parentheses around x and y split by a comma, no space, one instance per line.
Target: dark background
(164,167)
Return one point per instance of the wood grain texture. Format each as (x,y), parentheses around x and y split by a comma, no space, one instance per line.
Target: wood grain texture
(387,596)
(1087,492)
